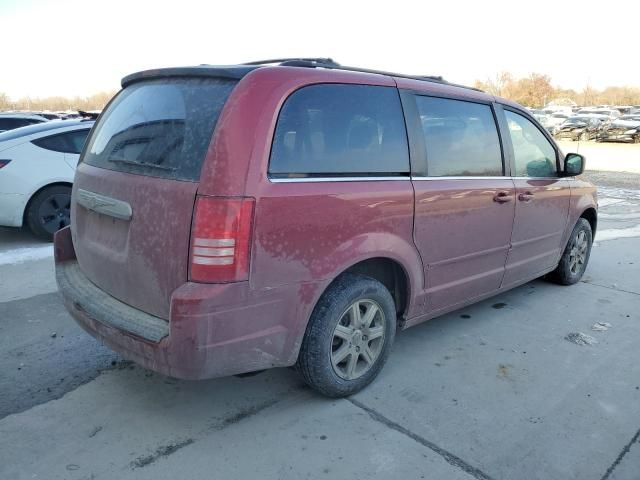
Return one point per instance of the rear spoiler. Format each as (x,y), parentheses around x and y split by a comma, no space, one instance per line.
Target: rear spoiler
(230,72)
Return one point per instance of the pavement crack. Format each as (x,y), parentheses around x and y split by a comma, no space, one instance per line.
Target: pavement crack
(242,415)
(162,451)
(449,457)
(610,288)
(624,451)
(166,450)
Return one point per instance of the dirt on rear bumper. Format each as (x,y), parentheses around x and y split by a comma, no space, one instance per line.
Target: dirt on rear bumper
(213,331)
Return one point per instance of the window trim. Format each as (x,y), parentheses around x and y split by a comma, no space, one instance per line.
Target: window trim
(325,179)
(338,176)
(512,159)
(417,143)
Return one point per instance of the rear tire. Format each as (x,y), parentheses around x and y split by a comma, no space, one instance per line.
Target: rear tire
(349,336)
(576,254)
(49,211)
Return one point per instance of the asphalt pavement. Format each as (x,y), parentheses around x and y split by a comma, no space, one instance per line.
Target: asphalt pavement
(498,390)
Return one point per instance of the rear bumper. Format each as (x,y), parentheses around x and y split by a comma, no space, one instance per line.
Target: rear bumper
(12,209)
(213,330)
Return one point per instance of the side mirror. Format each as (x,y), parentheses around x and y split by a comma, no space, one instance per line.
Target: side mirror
(573,164)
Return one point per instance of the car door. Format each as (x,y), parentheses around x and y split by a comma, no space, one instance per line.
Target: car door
(464,202)
(543,197)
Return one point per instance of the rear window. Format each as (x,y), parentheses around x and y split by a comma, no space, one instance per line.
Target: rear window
(160,128)
(340,130)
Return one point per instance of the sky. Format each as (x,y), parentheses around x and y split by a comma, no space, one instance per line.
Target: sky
(72,47)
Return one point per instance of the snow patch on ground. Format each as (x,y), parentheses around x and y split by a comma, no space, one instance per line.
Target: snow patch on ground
(21,255)
(614,233)
(617,193)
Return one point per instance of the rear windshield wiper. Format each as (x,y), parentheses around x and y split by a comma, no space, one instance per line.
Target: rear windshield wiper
(143,164)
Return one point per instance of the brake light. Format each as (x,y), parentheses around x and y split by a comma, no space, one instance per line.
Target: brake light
(3,163)
(220,239)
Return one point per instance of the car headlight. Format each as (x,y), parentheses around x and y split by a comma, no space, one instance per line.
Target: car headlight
(631,132)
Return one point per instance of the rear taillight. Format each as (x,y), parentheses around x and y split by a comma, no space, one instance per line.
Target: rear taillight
(220,239)
(3,163)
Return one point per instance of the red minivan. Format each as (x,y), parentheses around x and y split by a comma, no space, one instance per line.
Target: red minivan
(297,212)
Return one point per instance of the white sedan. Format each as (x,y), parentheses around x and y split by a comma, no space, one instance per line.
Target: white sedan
(37,165)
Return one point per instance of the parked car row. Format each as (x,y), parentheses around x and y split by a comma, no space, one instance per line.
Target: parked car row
(623,129)
(601,124)
(14,119)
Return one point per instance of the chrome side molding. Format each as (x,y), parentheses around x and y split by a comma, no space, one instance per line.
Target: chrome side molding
(103,204)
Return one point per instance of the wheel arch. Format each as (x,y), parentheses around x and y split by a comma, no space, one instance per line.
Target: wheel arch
(388,271)
(591,216)
(391,274)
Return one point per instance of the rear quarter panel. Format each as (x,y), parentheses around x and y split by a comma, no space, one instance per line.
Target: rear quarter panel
(311,232)
(305,234)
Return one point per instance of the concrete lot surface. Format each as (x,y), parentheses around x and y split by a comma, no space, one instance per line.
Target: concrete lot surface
(492,391)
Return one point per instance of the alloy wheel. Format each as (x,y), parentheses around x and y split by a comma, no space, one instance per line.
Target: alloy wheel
(357,339)
(578,253)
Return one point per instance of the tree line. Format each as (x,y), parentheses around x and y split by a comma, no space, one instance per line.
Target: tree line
(96,101)
(536,90)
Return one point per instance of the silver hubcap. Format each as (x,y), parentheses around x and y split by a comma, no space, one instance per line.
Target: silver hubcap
(357,339)
(578,253)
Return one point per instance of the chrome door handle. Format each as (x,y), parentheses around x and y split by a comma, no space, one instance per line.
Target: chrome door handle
(525,197)
(502,197)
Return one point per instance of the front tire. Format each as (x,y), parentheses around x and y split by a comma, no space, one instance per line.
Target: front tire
(49,211)
(576,254)
(349,336)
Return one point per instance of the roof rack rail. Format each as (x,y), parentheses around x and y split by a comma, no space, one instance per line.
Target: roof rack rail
(288,61)
(331,64)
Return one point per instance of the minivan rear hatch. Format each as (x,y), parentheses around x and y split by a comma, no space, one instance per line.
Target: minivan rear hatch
(136,183)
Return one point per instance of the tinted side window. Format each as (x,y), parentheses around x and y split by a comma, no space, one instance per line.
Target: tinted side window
(461,138)
(340,129)
(11,123)
(534,154)
(52,142)
(76,139)
(56,143)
